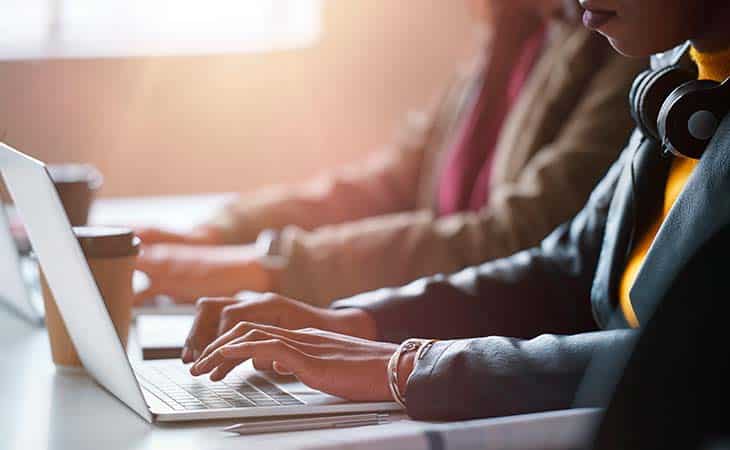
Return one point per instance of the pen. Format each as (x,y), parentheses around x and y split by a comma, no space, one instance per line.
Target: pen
(310,423)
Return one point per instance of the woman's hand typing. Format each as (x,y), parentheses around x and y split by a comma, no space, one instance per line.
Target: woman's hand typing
(216,316)
(341,365)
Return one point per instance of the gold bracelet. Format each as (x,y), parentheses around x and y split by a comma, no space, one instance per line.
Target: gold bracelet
(393,379)
(408,345)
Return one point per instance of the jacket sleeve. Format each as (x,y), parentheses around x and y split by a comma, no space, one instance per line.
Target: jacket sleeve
(542,290)
(334,262)
(498,376)
(381,184)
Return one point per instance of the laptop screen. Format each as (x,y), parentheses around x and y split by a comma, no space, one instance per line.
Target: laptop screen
(13,291)
(69,278)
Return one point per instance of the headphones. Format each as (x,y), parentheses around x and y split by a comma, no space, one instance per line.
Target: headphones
(682,113)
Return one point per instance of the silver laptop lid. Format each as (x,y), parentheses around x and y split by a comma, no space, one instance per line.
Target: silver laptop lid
(14,293)
(69,278)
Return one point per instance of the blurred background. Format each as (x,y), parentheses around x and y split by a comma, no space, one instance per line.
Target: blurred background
(219,96)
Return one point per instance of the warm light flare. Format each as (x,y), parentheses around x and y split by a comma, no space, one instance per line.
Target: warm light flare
(115,28)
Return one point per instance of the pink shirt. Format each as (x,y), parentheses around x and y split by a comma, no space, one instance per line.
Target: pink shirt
(464,183)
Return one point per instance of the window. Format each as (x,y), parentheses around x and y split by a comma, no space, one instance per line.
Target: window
(32,29)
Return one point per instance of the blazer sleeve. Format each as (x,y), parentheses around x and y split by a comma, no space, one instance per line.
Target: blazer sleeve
(545,289)
(543,292)
(499,376)
(333,262)
(384,183)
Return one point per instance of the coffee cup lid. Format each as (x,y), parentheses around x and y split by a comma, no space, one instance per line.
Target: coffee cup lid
(107,242)
(73,173)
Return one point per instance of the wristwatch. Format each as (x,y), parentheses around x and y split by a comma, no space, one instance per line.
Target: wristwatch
(267,247)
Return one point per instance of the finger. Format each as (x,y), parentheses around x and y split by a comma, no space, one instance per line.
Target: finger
(281,369)
(206,320)
(285,354)
(187,354)
(150,259)
(214,358)
(147,235)
(263,364)
(264,332)
(230,317)
(224,369)
(157,235)
(237,332)
(255,307)
(142,296)
(217,357)
(188,351)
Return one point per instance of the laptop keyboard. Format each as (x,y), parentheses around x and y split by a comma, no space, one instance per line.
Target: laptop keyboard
(172,384)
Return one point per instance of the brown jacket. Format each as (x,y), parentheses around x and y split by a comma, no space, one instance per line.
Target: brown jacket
(373,224)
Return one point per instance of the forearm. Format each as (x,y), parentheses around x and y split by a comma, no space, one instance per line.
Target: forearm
(497,376)
(545,289)
(382,183)
(340,261)
(391,250)
(518,296)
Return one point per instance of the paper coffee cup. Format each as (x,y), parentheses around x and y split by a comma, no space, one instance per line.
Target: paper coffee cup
(76,185)
(111,254)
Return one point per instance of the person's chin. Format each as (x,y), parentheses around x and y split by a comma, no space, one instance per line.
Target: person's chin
(623,47)
(635,48)
(625,43)
(630,48)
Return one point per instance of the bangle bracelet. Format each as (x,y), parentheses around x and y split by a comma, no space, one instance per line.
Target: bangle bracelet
(408,345)
(393,379)
(424,348)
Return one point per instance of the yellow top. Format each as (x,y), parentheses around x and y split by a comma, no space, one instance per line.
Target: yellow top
(712,66)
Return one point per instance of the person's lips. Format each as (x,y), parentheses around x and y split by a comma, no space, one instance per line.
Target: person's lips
(595,19)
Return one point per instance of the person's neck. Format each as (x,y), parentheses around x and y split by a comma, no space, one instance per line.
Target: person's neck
(712,43)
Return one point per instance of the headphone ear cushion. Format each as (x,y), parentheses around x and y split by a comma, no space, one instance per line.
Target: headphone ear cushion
(675,118)
(652,92)
(634,104)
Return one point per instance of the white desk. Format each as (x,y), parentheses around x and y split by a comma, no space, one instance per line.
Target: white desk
(44,409)
(177,213)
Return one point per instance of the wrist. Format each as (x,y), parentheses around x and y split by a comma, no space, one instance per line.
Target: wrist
(401,365)
(405,368)
(263,275)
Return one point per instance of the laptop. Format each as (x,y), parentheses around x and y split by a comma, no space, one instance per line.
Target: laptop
(16,293)
(158,391)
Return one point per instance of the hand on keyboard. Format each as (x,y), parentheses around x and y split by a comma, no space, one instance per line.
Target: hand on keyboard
(171,383)
(346,366)
(216,316)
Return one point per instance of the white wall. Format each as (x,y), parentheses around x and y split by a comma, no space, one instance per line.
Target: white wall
(223,123)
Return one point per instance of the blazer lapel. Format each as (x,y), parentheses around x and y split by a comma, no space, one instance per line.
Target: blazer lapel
(700,211)
(635,193)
